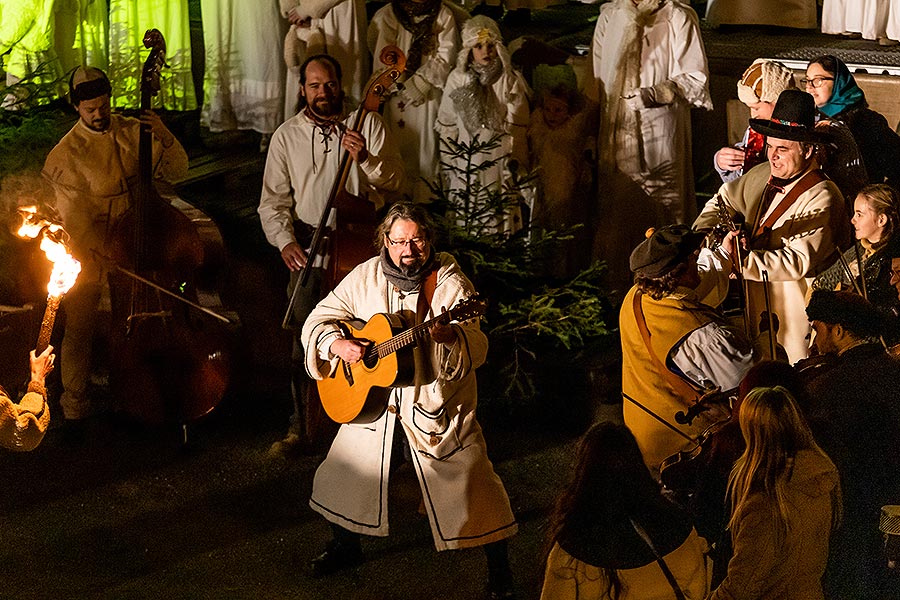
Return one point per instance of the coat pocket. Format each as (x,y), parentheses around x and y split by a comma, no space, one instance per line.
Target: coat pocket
(436,437)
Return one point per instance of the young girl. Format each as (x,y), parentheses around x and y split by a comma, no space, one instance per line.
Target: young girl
(785,498)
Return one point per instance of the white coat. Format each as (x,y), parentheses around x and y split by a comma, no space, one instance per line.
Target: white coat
(463,497)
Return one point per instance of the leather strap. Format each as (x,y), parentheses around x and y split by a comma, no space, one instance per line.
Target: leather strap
(679,595)
(807,181)
(680,385)
(426,293)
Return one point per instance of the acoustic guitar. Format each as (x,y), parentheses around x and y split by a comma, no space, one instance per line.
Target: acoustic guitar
(358,392)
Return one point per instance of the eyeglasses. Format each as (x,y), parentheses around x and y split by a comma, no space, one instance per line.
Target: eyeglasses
(418,242)
(815,82)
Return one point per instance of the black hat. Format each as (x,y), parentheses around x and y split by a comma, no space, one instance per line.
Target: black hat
(851,311)
(793,118)
(664,249)
(87,83)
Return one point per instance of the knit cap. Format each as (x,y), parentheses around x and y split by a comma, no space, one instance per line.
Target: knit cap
(764,81)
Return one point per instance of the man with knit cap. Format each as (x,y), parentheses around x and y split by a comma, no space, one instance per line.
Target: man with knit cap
(675,344)
(759,89)
(91,170)
(854,415)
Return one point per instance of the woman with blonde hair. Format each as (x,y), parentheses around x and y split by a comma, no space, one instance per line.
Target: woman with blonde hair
(876,223)
(785,499)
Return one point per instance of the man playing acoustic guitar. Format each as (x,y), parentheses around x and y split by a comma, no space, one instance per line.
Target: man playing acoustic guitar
(464,499)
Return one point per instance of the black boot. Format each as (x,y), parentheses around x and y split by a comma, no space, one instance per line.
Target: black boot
(500,579)
(344,551)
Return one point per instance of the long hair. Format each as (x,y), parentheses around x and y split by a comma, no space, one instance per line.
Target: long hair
(407,211)
(774,430)
(610,483)
(882,199)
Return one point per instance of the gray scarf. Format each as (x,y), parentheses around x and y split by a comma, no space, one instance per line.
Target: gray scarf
(475,100)
(406,282)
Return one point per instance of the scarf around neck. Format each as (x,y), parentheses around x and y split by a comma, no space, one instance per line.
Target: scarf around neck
(402,281)
(418,18)
(475,100)
(845,93)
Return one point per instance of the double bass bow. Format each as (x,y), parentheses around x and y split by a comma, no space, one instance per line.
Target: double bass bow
(170,362)
(355,218)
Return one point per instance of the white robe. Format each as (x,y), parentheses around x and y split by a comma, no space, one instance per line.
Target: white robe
(800,14)
(511,94)
(337,28)
(660,162)
(413,126)
(244,84)
(465,500)
(866,17)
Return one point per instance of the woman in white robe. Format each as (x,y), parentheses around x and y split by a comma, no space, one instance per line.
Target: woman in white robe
(411,114)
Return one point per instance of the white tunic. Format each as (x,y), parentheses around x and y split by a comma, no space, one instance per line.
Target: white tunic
(465,500)
(672,51)
(412,127)
(301,168)
(244,85)
(866,17)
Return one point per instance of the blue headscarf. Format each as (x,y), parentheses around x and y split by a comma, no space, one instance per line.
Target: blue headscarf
(845,93)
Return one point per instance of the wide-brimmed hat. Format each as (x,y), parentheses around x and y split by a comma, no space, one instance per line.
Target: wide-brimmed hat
(664,249)
(793,118)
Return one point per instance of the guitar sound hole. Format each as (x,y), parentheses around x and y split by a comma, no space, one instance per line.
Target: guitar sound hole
(370,358)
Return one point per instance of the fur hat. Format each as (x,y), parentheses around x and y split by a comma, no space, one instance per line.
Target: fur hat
(663,250)
(793,118)
(87,83)
(764,81)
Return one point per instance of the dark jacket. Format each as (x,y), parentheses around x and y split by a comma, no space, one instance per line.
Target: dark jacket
(878,144)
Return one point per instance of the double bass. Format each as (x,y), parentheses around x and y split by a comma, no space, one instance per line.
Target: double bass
(170,361)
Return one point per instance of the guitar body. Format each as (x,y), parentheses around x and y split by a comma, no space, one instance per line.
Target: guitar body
(358,393)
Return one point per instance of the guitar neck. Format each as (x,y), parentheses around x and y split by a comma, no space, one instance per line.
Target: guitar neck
(410,336)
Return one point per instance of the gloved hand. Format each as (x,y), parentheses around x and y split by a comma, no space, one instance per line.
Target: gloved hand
(415,90)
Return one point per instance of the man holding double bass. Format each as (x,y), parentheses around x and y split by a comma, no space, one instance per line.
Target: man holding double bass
(303,162)
(92,170)
(430,416)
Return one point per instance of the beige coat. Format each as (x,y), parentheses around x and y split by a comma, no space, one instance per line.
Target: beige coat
(801,243)
(464,499)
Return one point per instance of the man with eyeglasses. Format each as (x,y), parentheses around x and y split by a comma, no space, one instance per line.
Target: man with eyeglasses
(302,165)
(429,422)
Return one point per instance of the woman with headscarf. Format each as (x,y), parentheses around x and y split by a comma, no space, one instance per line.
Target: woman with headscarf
(839,98)
(485,98)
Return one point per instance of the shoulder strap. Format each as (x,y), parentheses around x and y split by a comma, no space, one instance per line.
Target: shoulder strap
(680,385)
(679,595)
(426,293)
(807,181)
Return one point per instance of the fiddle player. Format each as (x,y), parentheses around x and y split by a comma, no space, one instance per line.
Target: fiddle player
(302,164)
(431,420)
(795,216)
(855,417)
(688,347)
(91,169)
(22,425)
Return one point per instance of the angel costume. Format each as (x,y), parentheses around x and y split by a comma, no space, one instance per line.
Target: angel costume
(427,33)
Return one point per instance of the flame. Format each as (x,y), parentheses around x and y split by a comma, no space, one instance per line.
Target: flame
(53,236)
